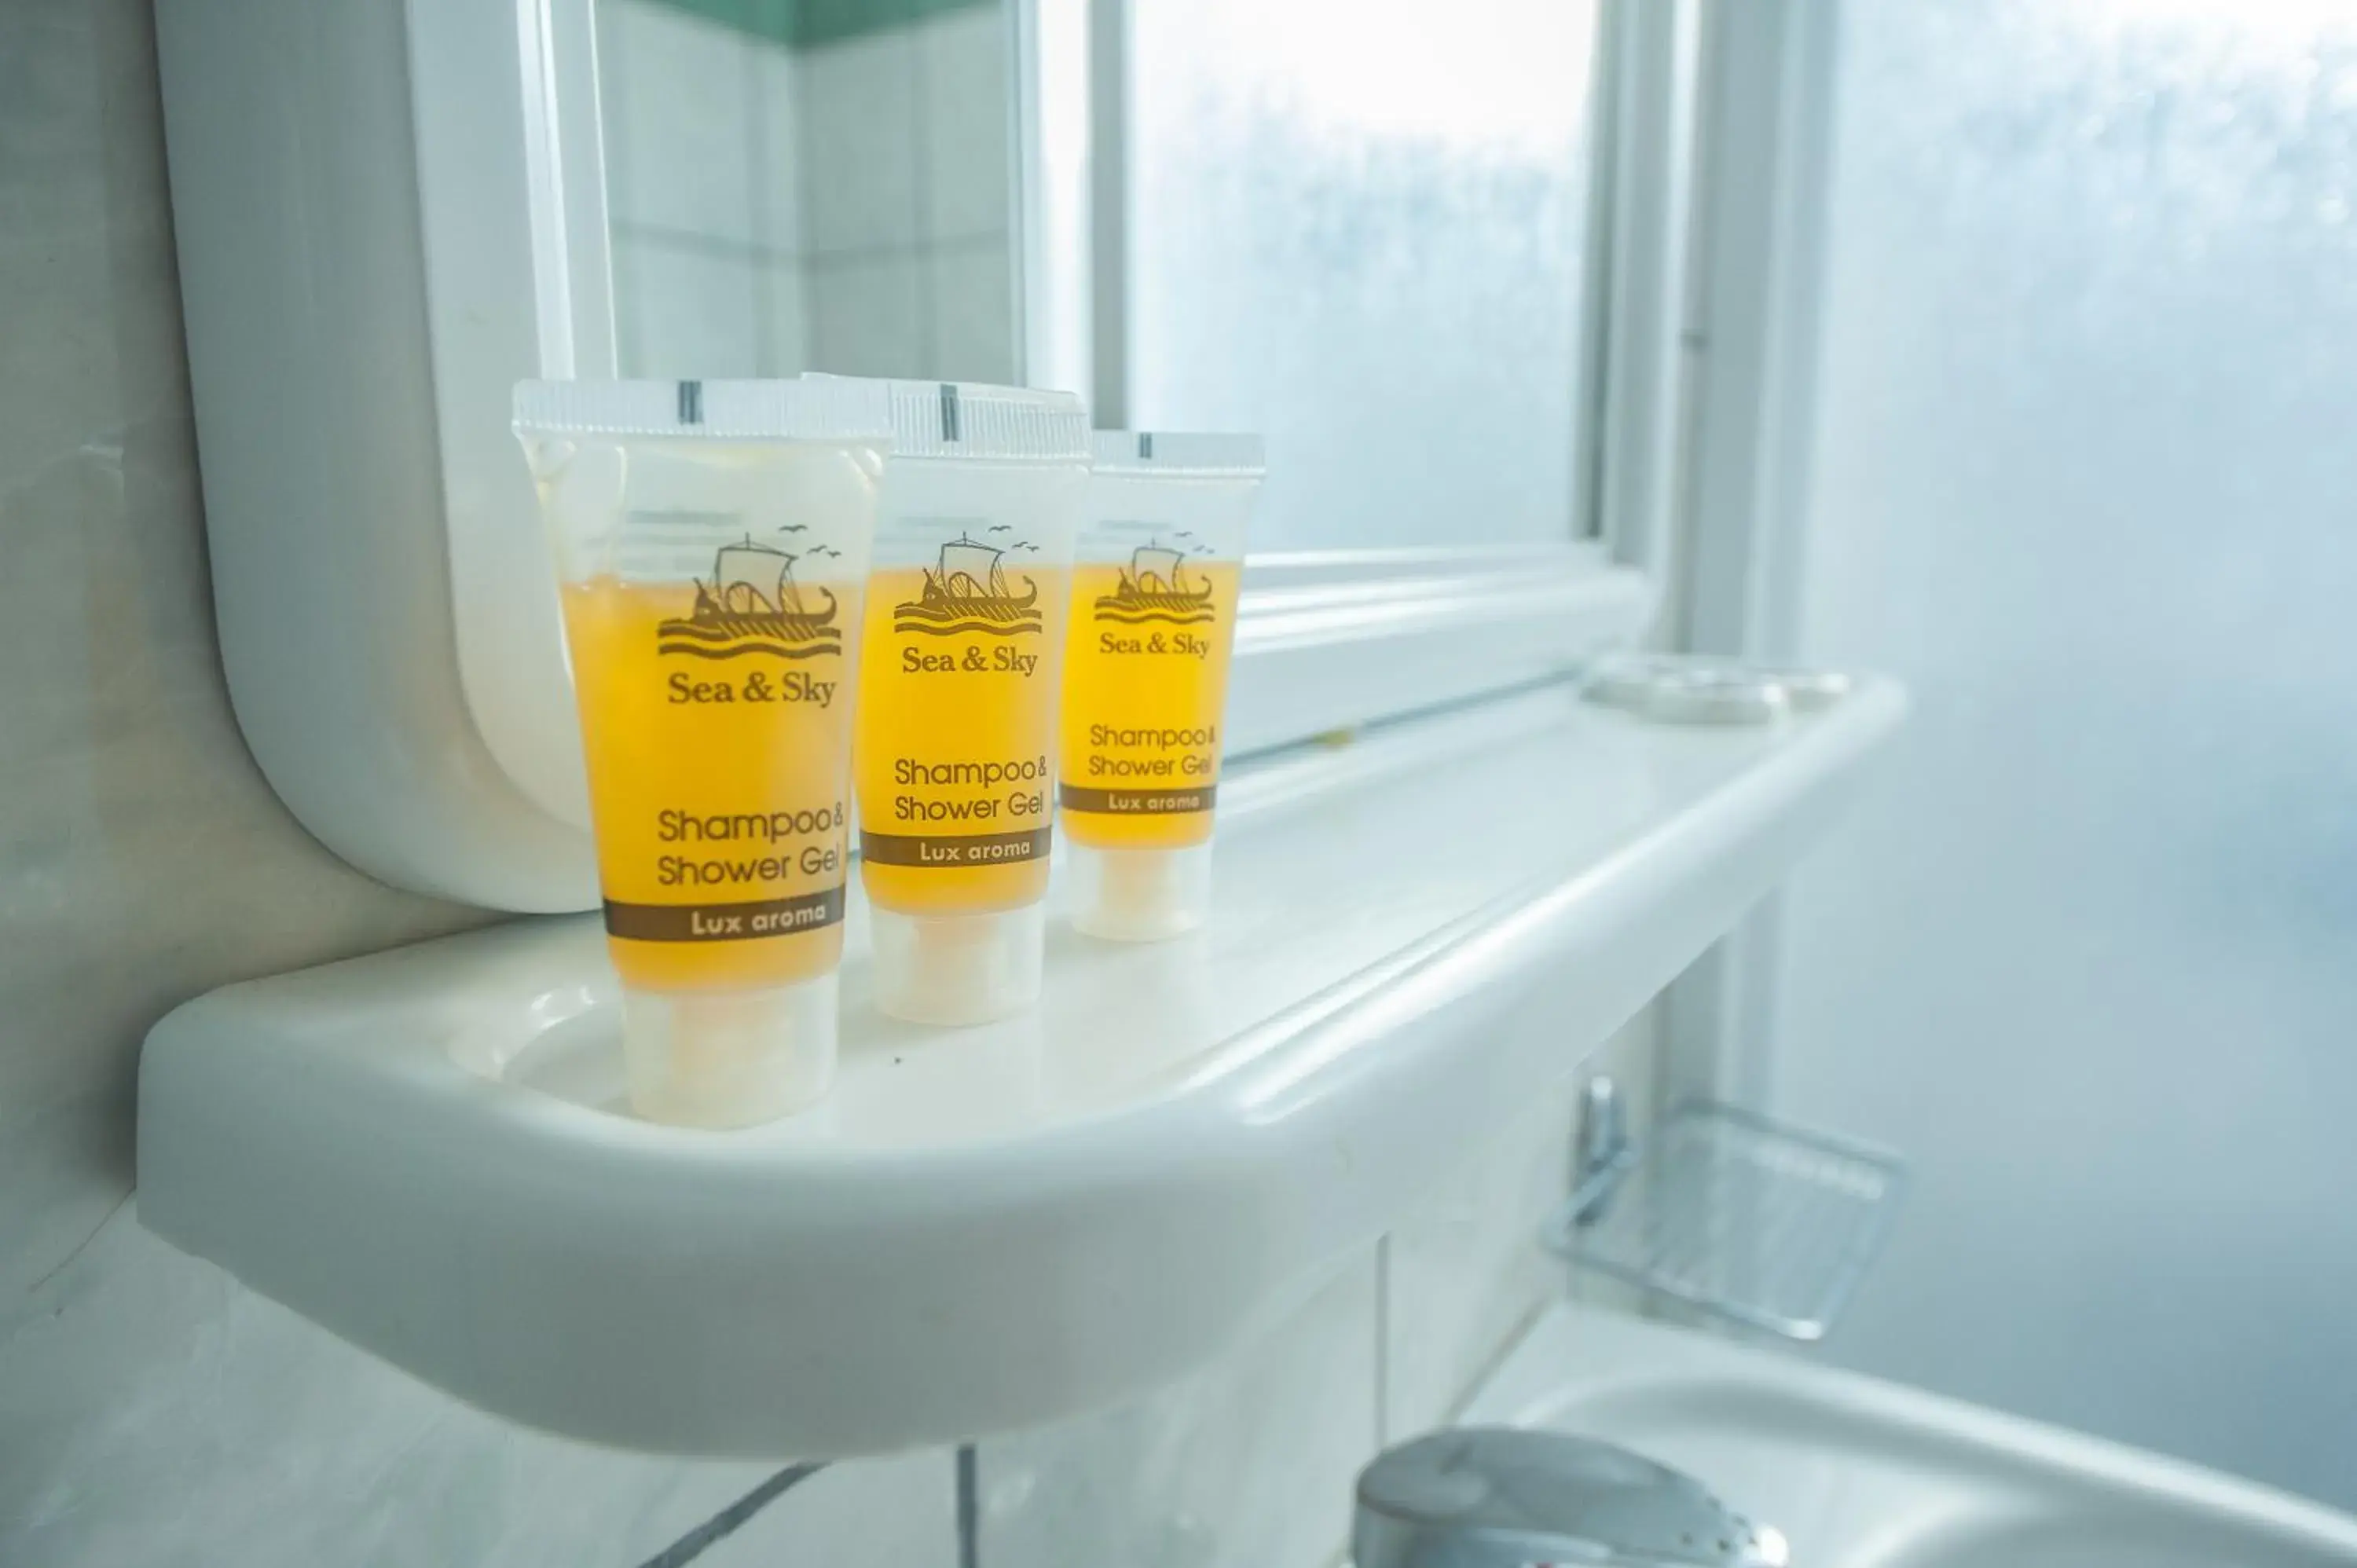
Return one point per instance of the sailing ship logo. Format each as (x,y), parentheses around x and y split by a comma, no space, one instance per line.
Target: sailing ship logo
(1156,587)
(966,590)
(752,605)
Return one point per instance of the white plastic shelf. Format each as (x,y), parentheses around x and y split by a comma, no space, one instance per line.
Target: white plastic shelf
(991,1227)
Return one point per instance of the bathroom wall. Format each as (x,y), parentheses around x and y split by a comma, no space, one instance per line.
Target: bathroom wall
(152,1411)
(2083,478)
(142,857)
(809,187)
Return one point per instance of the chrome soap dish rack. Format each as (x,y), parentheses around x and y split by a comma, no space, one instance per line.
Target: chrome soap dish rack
(1738,1216)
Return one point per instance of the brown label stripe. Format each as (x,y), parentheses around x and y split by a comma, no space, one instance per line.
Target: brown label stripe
(723,922)
(975,849)
(1137,803)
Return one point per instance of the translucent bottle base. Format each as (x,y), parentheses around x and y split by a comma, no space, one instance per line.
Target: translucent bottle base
(956,969)
(729,1059)
(1139,895)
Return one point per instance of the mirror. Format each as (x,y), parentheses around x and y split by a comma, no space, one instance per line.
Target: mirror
(820,185)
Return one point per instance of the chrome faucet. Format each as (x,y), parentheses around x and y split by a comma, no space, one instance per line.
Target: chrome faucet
(1503,1497)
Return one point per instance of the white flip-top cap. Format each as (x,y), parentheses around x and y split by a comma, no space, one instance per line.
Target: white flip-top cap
(729,1059)
(959,969)
(1139,895)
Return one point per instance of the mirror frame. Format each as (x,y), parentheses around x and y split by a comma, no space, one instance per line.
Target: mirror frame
(389,213)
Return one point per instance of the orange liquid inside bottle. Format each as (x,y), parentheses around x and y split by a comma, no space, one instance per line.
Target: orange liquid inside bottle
(718,754)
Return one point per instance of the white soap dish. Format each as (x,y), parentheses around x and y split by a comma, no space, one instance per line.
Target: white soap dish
(1703,689)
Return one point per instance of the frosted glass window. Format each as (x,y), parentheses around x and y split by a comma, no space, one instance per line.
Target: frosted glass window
(2086,477)
(1358,230)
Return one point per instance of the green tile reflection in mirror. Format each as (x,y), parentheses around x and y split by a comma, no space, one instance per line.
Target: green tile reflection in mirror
(807,23)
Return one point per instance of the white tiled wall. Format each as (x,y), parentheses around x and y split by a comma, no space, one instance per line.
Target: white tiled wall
(1244,1465)
(677,101)
(841,207)
(965,125)
(971,286)
(868,313)
(865,188)
(156,1412)
(142,857)
(705,305)
(153,1412)
(867,1513)
(1463,1274)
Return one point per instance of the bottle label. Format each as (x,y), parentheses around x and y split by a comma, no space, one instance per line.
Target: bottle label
(1144,693)
(956,721)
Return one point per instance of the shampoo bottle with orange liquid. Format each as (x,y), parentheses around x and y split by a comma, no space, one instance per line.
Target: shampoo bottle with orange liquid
(961,671)
(712,544)
(1160,563)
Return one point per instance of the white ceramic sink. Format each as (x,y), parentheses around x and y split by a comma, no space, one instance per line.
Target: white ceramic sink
(1862,1473)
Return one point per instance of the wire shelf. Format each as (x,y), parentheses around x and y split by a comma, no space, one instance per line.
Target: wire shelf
(1738,1216)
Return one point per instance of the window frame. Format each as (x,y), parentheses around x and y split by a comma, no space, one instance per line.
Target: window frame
(1760,178)
(1557,605)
